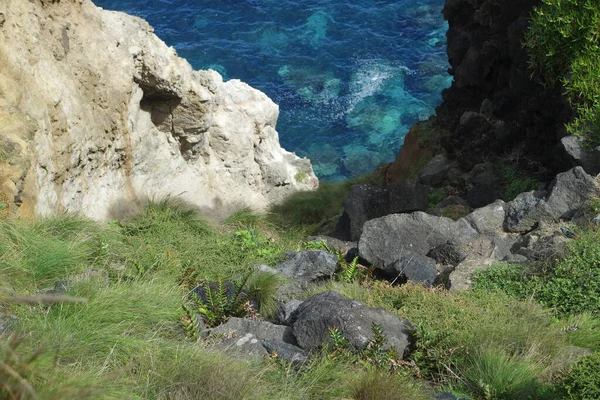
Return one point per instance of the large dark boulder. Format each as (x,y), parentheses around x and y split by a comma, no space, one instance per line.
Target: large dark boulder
(569,191)
(385,239)
(365,202)
(525,212)
(410,266)
(330,309)
(435,171)
(305,267)
(567,194)
(577,153)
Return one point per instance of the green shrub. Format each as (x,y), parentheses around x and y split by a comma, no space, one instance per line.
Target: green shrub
(583,381)
(563,42)
(570,285)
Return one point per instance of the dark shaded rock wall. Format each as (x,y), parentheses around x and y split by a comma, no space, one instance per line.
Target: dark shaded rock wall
(493,107)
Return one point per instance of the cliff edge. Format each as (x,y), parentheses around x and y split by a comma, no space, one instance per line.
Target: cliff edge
(97,114)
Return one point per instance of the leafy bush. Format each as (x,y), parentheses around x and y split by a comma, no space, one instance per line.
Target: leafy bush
(375,353)
(564,46)
(583,381)
(570,286)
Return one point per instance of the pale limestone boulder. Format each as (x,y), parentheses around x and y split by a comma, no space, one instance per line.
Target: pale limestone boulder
(102,114)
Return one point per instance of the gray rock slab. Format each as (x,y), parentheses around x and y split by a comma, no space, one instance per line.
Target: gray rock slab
(488,219)
(412,267)
(435,171)
(569,191)
(330,309)
(262,330)
(385,239)
(365,202)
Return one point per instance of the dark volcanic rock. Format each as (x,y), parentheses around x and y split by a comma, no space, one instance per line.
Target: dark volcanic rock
(410,266)
(569,191)
(578,154)
(493,107)
(484,185)
(286,311)
(327,310)
(366,202)
(435,171)
(385,239)
(304,267)
(447,254)
(525,212)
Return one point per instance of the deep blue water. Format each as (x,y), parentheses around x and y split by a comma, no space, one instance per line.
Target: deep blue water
(349,77)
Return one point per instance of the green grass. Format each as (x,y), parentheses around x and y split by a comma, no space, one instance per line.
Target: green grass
(570,285)
(126,341)
(318,211)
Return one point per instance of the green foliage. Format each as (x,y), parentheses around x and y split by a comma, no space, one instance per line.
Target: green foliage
(16,371)
(435,196)
(583,381)
(455,211)
(338,339)
(564,46)
(582,330)
(221,301)
(515,180)
(452,326)
(351,271)
(374,354)
(571,285)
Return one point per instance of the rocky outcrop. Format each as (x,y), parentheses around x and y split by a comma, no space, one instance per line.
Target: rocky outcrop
(97,113)
(365,202)
(493,107)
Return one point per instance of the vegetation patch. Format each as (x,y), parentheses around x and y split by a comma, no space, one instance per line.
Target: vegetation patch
(563,42)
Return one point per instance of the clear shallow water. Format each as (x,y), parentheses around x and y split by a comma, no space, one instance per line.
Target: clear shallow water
(349,77)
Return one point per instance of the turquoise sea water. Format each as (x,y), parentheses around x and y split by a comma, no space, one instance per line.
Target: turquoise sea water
(349,77)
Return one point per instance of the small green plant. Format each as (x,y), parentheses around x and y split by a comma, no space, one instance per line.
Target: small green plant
(435,196)
(583,381)
(375,353)
(219,300)
(351,271)
(338,339)
(491,374)
(252,239)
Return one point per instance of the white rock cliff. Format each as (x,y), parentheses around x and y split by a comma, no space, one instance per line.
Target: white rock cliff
(98,114)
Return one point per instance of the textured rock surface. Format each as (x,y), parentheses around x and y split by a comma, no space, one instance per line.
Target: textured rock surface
(305,267)
(493,106)
(575,151)
(330,309)
(384,239)
(97,113)
(365,202)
